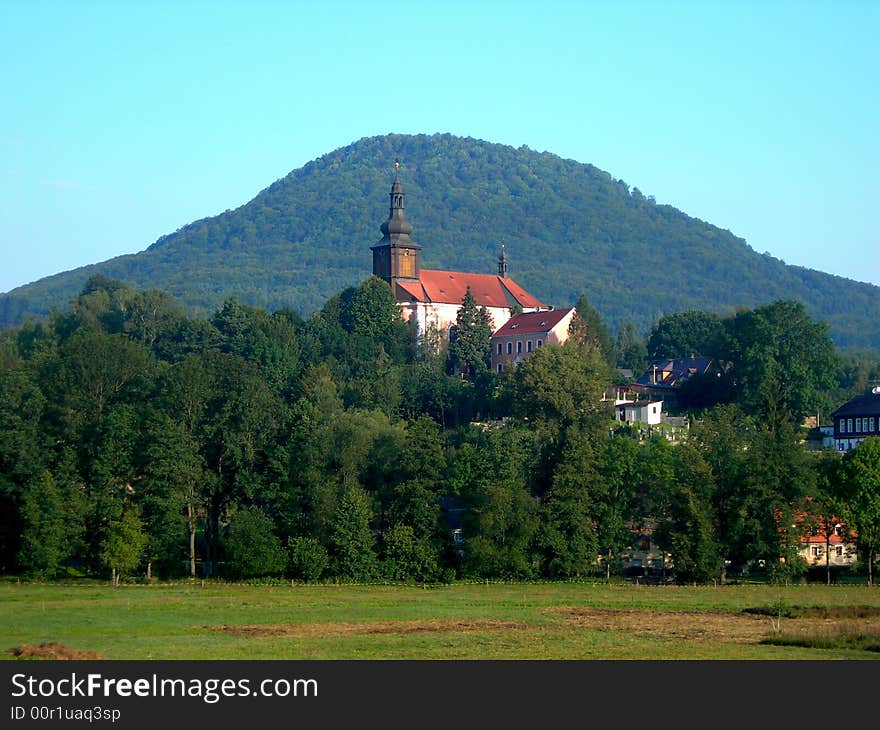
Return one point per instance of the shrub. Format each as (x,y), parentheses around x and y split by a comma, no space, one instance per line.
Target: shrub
(252,548)
(307,558)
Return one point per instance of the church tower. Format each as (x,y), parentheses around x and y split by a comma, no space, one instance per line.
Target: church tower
(396,255)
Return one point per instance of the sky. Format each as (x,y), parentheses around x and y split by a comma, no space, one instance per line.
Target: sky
(123,121)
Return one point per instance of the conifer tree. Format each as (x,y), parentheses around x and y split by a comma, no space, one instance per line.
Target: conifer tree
(470,345)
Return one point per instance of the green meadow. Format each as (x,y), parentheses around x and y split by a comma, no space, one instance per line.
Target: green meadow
(460,621)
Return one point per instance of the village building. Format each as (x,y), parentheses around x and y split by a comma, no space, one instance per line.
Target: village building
(524,333)
(856,420)
(430,297)
(649,412)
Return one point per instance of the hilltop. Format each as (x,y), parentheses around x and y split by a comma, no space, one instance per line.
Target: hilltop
(568,228)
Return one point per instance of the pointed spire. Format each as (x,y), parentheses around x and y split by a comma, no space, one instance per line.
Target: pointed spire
(397,222)
(502,263)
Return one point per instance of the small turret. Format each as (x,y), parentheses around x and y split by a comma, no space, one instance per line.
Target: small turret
(502,263)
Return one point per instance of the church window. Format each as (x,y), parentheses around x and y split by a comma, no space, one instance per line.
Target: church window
(499,367)
(499,348)
(519,347)
(538,343)
(509,348)
(529,346)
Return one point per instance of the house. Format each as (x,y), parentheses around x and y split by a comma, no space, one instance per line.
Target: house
(836,549)
(643,557)
(664,377)
(640,411)
(432,298)
(856,419)
(524,333)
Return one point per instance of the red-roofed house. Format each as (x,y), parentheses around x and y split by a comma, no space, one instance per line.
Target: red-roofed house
(524,333)
(434,297)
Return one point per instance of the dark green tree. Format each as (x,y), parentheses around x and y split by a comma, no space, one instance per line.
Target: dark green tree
(352,541)
(616,498)
(567,533)
(859,489)
(470,341)
(686,527)
(686,334)
(630,349)
(588,328)
(500,520)
(562,385)
(252,547)
(780,359)
(44,538)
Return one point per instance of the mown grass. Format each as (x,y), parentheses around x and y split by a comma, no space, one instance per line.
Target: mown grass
(461,621)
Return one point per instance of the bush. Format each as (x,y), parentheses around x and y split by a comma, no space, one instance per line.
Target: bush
(307,558)
(252,548)
(407,558)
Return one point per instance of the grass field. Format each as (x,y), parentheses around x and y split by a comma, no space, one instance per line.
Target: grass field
(460,621)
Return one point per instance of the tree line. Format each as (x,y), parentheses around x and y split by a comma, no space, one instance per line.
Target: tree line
(136,438)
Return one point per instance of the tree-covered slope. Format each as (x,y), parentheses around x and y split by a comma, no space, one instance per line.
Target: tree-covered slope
(568,228)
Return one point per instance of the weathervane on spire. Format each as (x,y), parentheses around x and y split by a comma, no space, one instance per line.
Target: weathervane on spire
(396,167)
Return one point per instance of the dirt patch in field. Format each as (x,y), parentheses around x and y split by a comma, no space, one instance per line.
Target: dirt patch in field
(51,650)
(820,612)
(367,628)
(681,625)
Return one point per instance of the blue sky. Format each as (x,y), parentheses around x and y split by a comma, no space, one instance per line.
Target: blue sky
(123,121)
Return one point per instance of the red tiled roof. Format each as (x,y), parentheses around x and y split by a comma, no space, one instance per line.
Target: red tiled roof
(529,323)
(449,287)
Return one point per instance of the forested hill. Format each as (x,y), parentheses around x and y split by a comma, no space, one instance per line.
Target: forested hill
(568,228)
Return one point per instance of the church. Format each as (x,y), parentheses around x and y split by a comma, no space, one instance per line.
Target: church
(433,297)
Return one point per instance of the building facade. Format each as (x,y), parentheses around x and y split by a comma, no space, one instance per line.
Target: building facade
(856,420)
(524,333)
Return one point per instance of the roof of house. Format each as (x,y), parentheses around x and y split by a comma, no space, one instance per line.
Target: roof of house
(670,371)
(450,287)
(861,405)
(532,323)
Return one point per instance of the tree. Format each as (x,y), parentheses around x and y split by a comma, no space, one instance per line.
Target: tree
(252,548)
(307,558)
(615,499)
(471,340)
(859,488)
(44,542)
(567,533)
(24,453)
(630,349)
(588,328)
(352,539)
(685,334)
(407,557)
(174,487)
(561,385)
(499,522)
(124,545)
(780,359)
(687,523)
(824,507)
